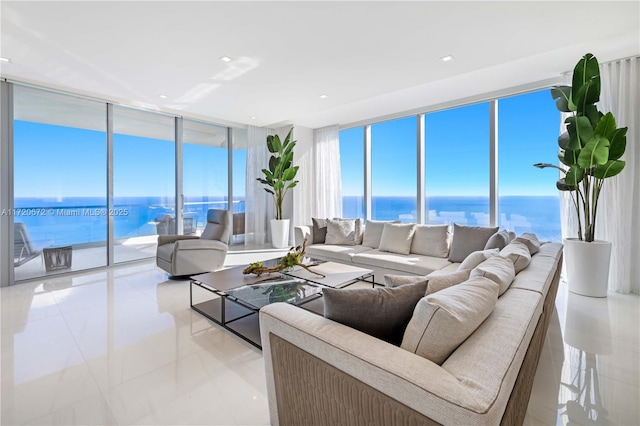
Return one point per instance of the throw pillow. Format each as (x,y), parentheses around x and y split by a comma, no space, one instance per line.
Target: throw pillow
(518,253)
(440,282)
(443,320)
(341,232)
(373,232)
(396,237)
(467,239)
(397,280)
(499,240)
(498,269)
(476,258)
(319,230)
(380,312)
(531,241)
(359,228)
(431,240)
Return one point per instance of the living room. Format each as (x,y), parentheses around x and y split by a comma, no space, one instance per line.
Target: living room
(155,113)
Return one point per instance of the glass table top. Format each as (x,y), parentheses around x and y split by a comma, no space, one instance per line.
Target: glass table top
(274,289)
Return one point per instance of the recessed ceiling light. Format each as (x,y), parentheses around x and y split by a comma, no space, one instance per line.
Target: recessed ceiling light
(447,58)
(163,96)
(253,117)
(5,59)
(324,96)
(225,58)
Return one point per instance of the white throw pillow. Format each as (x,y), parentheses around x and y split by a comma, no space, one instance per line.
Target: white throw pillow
(498,269)
(359,227)
(396,238)
(398,280)
(518,253)
(373,232)
(442,281)
(431,240)
(476,258)
(444,320)
(341,232)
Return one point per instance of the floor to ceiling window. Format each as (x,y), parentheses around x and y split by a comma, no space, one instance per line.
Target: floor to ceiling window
(457,166)
(528,134)
(352,171)
(144,181)
(239,170)
(60,158)
(205,171)
(393,170)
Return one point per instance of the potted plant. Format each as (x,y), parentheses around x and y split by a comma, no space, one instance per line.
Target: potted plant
(278,180)
(590,152)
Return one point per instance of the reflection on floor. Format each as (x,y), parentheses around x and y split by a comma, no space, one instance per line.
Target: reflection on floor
(121,346)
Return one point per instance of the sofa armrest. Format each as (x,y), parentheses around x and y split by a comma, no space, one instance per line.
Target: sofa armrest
(301,232)
(198,244)
(168,239)
(426,391)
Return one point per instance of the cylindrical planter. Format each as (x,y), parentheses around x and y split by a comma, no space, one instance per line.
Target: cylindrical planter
(280,233)
(587,266)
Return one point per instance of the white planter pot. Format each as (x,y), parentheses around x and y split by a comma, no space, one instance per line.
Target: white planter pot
(587,266)
(280,233)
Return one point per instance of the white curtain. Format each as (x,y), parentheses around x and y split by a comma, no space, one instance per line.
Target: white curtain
(328,178)
(258,203)
(319,191)
(619,203)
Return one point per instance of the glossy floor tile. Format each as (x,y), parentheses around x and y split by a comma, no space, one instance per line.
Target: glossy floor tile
(121,347)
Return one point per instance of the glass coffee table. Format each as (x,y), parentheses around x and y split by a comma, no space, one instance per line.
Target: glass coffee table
(232,300)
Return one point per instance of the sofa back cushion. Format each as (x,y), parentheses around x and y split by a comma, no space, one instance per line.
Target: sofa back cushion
(498,269)
(397,237)
(531,241)
(467,239)
(373,232)
(476,258)
(431,240)
(519,254)
(442,281)
(380,312)
(445,319)
(499,240)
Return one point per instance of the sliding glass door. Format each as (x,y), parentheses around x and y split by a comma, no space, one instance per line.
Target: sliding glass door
(144,179)
(60,183)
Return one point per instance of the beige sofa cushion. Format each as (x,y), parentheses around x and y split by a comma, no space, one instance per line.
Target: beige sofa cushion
(396,237)
(443,320)
(498,269)
(373,232)
(519,254)
(476,258)
(442,281)
(411,263)
(334,252)
(531,241)
(391,280)
(431,240)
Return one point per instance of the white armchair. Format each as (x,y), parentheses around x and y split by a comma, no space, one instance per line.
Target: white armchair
(182,255)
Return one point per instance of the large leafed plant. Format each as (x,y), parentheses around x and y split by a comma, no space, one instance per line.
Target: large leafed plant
(279,177)
(591,148)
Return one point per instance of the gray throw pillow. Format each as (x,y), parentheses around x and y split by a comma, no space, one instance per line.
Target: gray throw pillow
(380,312)
(396,237)
(467,239)
(359,227)
(319,230)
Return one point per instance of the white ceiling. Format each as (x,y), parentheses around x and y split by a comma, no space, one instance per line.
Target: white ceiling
(372,59)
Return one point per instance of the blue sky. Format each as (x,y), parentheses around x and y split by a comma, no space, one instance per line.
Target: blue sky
(57,162)
(457,151)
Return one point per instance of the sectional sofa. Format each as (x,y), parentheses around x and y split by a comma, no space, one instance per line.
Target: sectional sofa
(320,371)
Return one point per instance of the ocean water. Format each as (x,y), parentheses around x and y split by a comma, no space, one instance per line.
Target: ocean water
(84,220)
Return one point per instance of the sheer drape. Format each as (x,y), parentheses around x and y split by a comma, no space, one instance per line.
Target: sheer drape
(619,204)
(319,192)
(258,205)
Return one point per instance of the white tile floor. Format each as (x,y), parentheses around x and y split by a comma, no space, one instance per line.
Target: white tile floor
(121,346)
